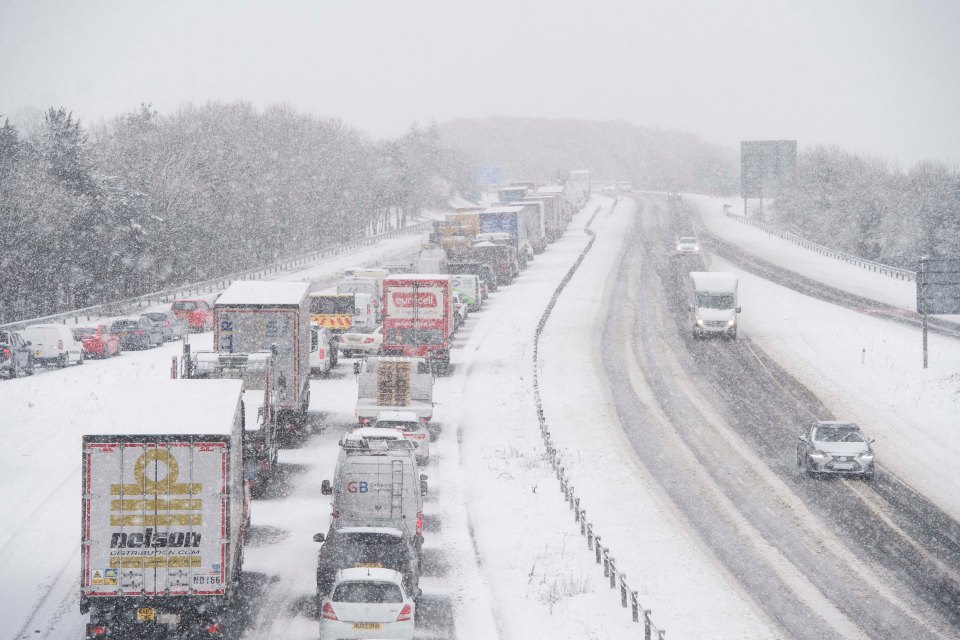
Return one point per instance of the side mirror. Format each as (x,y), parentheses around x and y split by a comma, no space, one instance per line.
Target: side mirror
(356,368)
(28,343)
(871,440)
(690,306)
(325,488)
(319,537)
(738,309)
(802,438)
(419,592)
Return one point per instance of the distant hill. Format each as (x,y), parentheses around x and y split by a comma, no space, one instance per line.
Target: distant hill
(544,149)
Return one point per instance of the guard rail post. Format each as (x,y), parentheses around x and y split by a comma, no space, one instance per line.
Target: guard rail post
(596,545)
(589,535)
(623,590)
(646,624)
(613,573)
(634,606)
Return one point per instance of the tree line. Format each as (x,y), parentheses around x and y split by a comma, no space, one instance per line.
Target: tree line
(870,208)
(146,201)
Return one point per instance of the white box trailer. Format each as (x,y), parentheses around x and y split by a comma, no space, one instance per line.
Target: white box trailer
(713,303)
(390,383)
(165,507)
(255,316)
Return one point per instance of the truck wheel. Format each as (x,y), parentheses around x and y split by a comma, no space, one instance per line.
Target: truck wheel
(30,366)
(62,360)
(13,368)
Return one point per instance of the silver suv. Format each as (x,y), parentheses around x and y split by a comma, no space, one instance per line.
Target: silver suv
(835,448)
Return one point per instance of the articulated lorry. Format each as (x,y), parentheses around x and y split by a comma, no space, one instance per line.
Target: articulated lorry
(393,384)
(165,509)
(261,431)
(274,317)
(418,316)
(713,303)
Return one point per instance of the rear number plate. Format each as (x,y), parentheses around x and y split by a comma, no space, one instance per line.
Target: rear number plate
(146,614)
(367,626)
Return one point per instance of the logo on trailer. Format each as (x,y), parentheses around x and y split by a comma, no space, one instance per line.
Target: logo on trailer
(405,299)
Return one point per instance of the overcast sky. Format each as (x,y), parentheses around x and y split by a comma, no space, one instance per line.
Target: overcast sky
(874,76)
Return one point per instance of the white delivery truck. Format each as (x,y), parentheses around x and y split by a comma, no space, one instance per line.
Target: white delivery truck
(393,383)
(713,303)
(371,285)
(165,508)
(271,316)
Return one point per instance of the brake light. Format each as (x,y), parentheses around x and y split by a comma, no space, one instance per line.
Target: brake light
(166,323)
(405,614)
(321,353)
(420,523)
(334,514)
(59,344)
(139,332)
(367,340)
(96,630)
(6,352)
(423,420)
(364,420)
(213,628)
(329,613)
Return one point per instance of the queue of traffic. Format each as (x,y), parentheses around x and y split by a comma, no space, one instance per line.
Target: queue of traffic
(167,505)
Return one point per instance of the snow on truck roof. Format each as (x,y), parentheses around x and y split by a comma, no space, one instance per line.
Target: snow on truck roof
(512,209)
(147,407)
(714,280)
(411,277)
(249,292)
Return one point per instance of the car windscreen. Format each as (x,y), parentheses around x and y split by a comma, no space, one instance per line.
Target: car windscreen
(123,325)
(184,306)
(688,241)
(332,305)
(83,331)
(838,434)
(714,301)
(366,550)
(155,316)
(367,592)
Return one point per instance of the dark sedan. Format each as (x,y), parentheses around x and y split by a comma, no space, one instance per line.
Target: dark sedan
(361,546)
(136,333)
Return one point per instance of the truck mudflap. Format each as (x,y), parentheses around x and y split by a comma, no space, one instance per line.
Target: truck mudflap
(158,618)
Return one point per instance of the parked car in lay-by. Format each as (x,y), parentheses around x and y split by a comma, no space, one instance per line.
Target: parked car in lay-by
(53,344)
(97,341)
(16,355)
(198,313)
(172,327)
(831,447)
(368,603)
(361,341)
(136,333)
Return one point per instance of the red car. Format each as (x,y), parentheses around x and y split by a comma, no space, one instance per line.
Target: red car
(97,341)
(197,313)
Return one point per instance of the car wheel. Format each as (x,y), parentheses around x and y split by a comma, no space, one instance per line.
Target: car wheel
(80,361)
(62,361)
(808,465)
(799,458)
(13,369)
(30,366)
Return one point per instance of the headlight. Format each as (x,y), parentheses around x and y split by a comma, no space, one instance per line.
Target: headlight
(820,455)
(731,322)
(678,247)
(699,321)
(866,456)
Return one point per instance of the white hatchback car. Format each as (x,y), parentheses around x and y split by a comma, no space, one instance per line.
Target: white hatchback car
(412,428)
(367,603)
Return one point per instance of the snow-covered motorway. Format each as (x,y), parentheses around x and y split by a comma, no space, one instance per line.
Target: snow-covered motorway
(683,454)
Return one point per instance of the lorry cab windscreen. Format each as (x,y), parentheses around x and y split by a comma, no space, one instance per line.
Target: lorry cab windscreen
(714,301)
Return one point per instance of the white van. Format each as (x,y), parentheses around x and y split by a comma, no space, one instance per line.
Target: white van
(376,482)
(713,303)
(54,344)
(323,349)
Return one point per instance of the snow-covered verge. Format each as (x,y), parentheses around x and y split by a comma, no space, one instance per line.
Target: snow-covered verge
(864,369)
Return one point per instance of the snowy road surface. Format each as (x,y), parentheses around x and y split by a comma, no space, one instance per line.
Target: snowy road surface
(683,453)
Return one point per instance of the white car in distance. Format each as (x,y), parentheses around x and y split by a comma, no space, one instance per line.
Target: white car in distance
(367,603)
(688,245)
(412,428)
